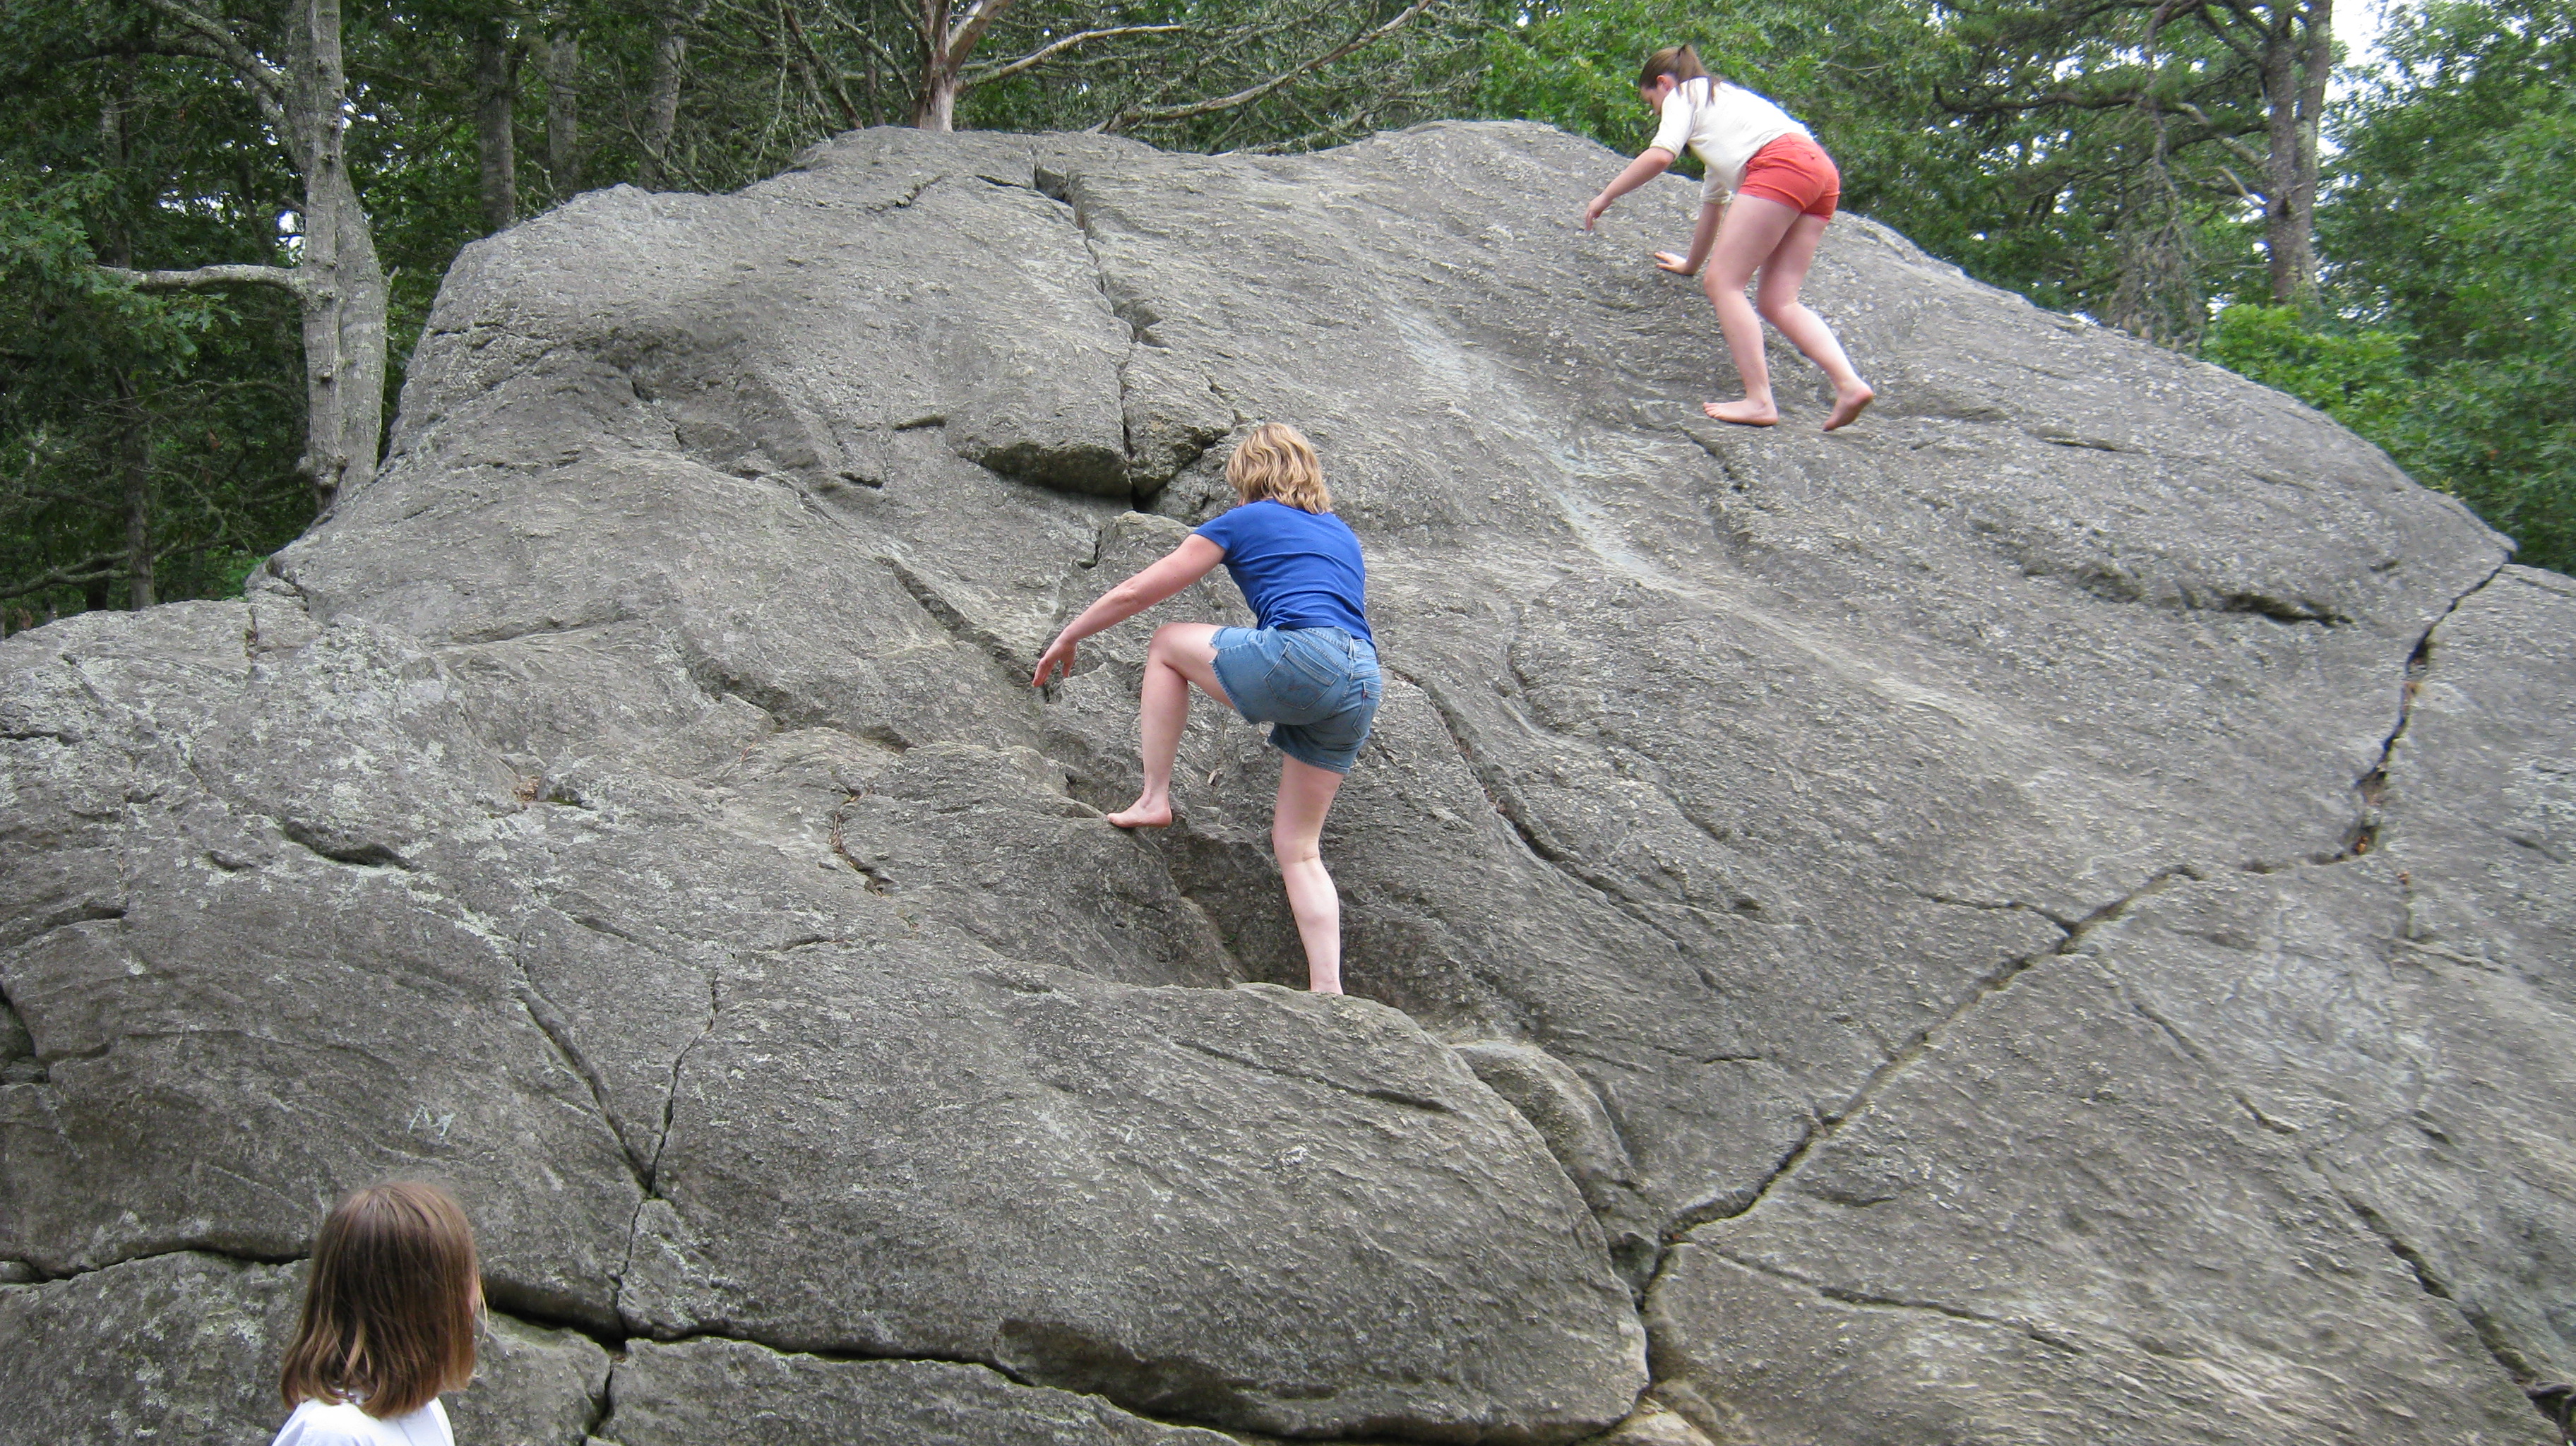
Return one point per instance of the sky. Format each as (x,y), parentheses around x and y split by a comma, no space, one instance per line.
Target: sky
(2357,26)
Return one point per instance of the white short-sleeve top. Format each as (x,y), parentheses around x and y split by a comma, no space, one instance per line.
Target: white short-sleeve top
(346,1424)
(1723,125)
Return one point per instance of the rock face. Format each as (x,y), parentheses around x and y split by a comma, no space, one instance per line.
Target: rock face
(2044,916)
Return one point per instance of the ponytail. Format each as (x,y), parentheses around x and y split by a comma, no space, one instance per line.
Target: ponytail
(1681,62)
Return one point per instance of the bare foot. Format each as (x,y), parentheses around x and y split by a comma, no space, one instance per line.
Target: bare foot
(1141,815)
(1847,404)
(1744,413)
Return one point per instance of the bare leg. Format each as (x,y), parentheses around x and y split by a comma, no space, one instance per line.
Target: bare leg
(1749,234)
(1181,654)
(1777,300)
(1296,830)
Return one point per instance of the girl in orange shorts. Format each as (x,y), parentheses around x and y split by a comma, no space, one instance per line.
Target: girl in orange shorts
(1785,188)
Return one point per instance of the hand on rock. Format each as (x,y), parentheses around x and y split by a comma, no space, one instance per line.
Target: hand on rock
(1676,263)
(1059,657)
(1592,211)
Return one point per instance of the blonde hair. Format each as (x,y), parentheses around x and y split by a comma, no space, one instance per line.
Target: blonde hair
(389,1310)
(1276,462)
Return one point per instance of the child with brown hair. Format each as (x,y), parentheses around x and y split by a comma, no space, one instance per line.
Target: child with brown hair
(1310,668)
(1785,189)
(390,1311)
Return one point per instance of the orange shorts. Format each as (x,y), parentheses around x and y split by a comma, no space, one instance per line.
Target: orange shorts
(1795,172)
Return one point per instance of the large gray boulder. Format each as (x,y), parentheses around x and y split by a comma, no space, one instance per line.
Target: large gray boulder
(2040,917)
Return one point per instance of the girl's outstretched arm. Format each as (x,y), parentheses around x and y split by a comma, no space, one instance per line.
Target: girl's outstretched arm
(1645,168)
(1703,241)
(1179,568)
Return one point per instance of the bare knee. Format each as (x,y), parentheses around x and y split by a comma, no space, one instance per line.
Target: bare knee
(1779,310)
(1166,642)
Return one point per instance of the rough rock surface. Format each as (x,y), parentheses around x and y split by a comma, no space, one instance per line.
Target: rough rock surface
(701,1393)
(2044,916)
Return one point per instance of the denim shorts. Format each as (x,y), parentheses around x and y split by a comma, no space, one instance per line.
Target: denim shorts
(1317,687)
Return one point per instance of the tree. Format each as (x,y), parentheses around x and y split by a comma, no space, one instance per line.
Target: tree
(336,277)
(2201,77)
(498,50)
(146,439)
(134,428)
(1148,65)
(2447,226)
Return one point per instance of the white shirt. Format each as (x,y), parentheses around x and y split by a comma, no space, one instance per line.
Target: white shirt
(1724,125)
(346,1424)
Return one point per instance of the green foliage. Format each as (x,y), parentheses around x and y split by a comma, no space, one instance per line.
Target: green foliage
(2359,378)
(181,409)
(59,309)
(2097,174)
(2449,223)
(2447,339)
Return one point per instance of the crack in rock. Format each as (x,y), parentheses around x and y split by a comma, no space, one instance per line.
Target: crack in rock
(19,1062)
(2372,786)
(1532,835)
(1383,1096)
(1844,1296)
(2555,1400)
(1996,981)
(550,1022)
(953,619)
(1173,444)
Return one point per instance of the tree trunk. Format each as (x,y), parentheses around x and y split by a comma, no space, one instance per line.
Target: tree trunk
(937,108)
(134,462)
(2318,66)
(563,113)
(337,278)
(115,246)
(662,96)
(358,329)
(934,103)
(344,290)
(2290,44)
(496,104)
(944,48)
(134,440)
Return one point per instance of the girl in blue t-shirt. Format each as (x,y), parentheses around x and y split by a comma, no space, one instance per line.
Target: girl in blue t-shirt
(1309,669)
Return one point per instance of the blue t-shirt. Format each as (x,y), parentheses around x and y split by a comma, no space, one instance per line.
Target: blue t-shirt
(1298,569)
